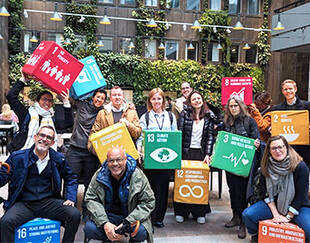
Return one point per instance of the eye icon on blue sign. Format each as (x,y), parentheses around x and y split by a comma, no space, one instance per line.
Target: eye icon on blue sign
(164,155)
(83,76)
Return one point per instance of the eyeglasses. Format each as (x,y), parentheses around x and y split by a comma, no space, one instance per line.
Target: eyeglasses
(118,160)
(47,100)
(274,149)
(47,137)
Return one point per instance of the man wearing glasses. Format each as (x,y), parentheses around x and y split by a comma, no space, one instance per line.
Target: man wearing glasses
(35,184)
(118,195)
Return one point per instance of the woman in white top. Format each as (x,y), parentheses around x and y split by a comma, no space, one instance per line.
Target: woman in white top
(196,124)
(157,118)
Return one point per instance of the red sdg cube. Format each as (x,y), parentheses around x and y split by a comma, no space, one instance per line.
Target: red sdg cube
(53,66)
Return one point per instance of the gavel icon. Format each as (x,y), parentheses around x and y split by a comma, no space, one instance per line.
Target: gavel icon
(5,165)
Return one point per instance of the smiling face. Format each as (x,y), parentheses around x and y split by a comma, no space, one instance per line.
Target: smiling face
(157,102)
(278,150)
(233,107)
(196,101)
(116,159)
(186,89)
(46,102)
(289,91)
(43,140)
(117,97)
(98,99)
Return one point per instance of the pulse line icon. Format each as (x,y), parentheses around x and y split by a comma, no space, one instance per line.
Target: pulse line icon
(234,160)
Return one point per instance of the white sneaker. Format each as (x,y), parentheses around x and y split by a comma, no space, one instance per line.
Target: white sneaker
(179,219)
(201,220)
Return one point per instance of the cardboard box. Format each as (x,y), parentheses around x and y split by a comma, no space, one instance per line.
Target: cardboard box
(293,125)
(89,79)
(233,153)
(191,183)
(270,232)
(237,86)
(38,230)
(116,134)
(162,149)
(53,66)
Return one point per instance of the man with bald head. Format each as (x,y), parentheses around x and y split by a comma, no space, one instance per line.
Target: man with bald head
(119,194)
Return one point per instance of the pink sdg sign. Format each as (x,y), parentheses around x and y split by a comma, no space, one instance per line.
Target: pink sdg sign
(237,86)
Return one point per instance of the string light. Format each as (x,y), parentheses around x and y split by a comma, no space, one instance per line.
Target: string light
(56,16)
(279,25)
(3,10)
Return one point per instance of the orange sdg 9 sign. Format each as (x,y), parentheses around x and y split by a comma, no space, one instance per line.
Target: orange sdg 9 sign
(192,183)
(293,125)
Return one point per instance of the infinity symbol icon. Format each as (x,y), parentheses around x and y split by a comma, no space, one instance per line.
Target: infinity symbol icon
(191,191)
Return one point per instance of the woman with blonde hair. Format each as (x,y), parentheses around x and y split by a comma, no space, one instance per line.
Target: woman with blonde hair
(287,185)
(157,118)
(7,114)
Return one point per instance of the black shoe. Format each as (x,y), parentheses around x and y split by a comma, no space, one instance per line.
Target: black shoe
(241,232)
(254,239)
(235,221)
(159,225)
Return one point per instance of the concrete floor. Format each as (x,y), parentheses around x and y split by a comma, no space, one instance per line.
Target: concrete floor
(189,231)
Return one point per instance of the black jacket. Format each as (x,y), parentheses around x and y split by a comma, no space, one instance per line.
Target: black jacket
(185,124)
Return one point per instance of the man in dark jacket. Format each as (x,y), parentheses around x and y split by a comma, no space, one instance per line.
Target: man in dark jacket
(35,186)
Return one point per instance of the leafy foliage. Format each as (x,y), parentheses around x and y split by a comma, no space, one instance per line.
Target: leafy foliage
(15,8)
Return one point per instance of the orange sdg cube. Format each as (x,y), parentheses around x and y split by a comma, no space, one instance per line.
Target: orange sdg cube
(191,183)
(270,232)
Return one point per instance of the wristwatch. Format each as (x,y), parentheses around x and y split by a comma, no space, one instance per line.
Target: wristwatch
(289,217)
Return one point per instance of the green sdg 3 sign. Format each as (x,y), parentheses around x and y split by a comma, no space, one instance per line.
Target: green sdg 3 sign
(233,153)
(162,149)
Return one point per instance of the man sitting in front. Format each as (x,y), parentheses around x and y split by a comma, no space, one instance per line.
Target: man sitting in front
(119,194)
(35,187)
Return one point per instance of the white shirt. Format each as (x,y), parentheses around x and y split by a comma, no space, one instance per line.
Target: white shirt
(197,134)
(41,164)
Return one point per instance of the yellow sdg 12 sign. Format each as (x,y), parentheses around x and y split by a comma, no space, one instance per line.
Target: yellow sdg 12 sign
(293,125)
(192,183)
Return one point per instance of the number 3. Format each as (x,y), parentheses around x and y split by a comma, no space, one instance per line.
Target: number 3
(225,138)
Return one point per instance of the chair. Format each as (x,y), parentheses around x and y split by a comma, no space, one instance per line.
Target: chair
(220,175)
(4,135)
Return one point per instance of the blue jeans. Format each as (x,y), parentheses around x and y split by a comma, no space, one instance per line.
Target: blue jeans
(93,232)
(260,211)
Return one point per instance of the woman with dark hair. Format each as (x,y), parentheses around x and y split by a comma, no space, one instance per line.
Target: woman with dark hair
(196,124)
(40,113)
(238,121)
(287,185)
(157,118)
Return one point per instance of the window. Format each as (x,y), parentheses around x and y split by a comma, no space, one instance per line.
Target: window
(253,7)
(128,2)
(105,1)
(191,54)
(28,45)
(215,4)
(171,51)
(192,4)
(173,3)
(234,6)
(213,53)
(108,44)
(251,55)
(150,3)
(58,38)
(123,46)
(234,53)
(150,49)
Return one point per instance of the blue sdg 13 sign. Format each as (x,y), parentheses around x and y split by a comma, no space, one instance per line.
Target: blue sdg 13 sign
(89,79)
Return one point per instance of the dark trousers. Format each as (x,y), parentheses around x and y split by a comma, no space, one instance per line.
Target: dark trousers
(84,165)
(93,232)
(184,209)
(51,208)
(303,151)
(237,191)
(159,181)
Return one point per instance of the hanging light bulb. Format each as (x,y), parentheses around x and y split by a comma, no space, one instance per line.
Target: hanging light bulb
(56,16)
(190,47)
(196,25)
(238,25)
(34,39)
(151,22)
(279,25)
(184,27)
(100,43)
(25,14)
(1,37)
(246,47)
(161,46)
(105,19)
(228,30)
(67,41)
(131,45)
(3,10)
(214,29)
(82,19)
(219,46)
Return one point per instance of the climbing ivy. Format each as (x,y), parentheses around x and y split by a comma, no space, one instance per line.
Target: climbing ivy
(15,8)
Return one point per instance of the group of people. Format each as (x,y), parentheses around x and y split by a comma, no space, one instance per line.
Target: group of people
(119,193)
